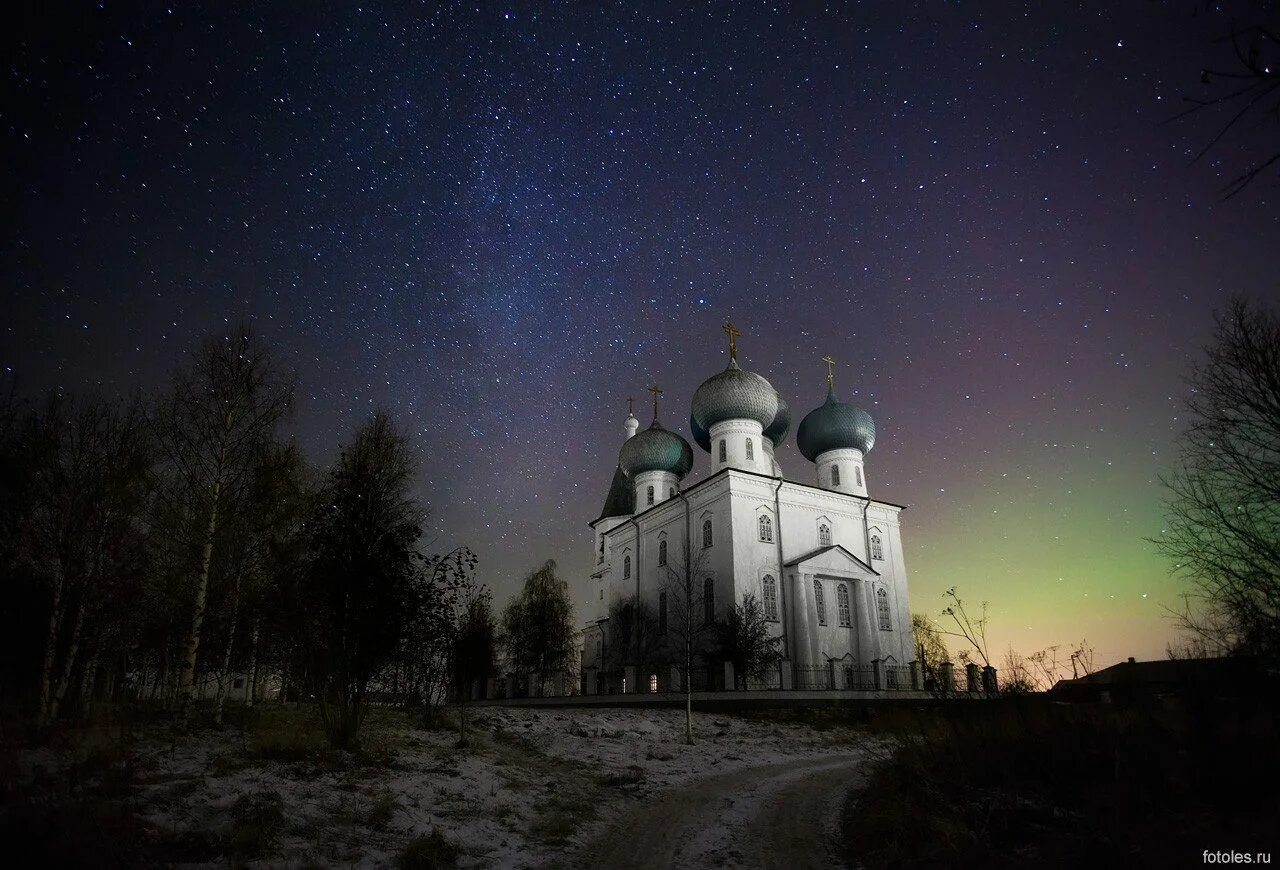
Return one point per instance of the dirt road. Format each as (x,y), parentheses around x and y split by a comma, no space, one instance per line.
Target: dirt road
(780,815)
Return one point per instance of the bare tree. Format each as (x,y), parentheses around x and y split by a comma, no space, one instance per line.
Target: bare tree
(689,618)
(224,408)
(1222,504)
(971,629)
(631,635)
(747,640)
(537,625)
(1243,92)
(931,646)
(89,463)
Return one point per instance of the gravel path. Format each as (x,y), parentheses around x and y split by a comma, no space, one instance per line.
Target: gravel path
(780,815)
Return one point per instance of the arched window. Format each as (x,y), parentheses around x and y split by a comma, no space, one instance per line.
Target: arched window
(653,684)
(751,451)
(822,603)
(662,612)
(724,452)
(824,535)
(671,492)
(626,567)
(842,603)
(708,601)
(882,610)
(835,475)
(770,597)
(857,474)
(599,649)
(650,495)
(766,528)
(601,559)
(706,534)
(662,553)
(877,552)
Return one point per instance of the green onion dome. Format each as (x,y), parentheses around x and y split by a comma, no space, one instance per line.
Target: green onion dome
(655,449)
(734,394)
(835,426)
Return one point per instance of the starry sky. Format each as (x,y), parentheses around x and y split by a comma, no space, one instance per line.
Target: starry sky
(497,222)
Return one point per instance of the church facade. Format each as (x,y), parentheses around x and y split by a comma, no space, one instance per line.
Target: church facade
(821,556)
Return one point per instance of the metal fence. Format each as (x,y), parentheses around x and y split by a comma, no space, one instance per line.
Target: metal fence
(808,679)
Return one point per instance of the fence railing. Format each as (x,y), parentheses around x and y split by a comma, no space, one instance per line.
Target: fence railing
(810,679)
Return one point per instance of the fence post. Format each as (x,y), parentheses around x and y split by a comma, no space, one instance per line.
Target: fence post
(831,673)
(946,678)
(915,676)
(989,684)
(877,674)
(971,678)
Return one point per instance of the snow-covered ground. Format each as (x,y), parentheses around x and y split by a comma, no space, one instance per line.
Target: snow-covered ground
(534,785)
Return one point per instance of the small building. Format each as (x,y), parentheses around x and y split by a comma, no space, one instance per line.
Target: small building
(1135,681)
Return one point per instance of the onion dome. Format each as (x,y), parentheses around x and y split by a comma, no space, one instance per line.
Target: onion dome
(776,431)
(734,394)
(656,449)
(835,426)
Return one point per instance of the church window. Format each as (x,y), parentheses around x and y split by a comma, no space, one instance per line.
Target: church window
(662,613)
(835,475)
(822,603)
(770,597)
(599,649)
(662,553)
(882,610)
(857,474)
(601,559)
(766,528)
(626,567)
(877,552)
(724,451)
(706,534)
(751,450)
(653,684)
(602,594)
(842,603)
(708,601)
(650,494)
(671,492)
(824,535)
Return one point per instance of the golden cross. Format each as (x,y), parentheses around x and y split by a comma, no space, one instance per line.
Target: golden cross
(733,339)
(656,392)
(831,371)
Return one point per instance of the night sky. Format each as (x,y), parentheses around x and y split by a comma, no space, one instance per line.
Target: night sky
(499,222)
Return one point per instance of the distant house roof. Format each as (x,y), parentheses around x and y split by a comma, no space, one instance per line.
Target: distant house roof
(1165,675)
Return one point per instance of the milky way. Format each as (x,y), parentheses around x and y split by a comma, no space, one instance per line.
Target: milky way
(499,222)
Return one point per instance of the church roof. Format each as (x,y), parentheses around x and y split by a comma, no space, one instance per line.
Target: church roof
(621,500)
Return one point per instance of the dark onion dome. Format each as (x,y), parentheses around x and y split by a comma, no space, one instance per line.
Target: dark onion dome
(734,394)
(835,426)
(655,449)
(775,431)
(621,500)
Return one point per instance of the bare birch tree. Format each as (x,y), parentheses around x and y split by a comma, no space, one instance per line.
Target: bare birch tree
(689,619)
(224,408)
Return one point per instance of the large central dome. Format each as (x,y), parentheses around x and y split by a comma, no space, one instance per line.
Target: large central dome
(735,394)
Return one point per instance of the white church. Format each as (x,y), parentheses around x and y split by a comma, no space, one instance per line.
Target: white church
(822,556)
